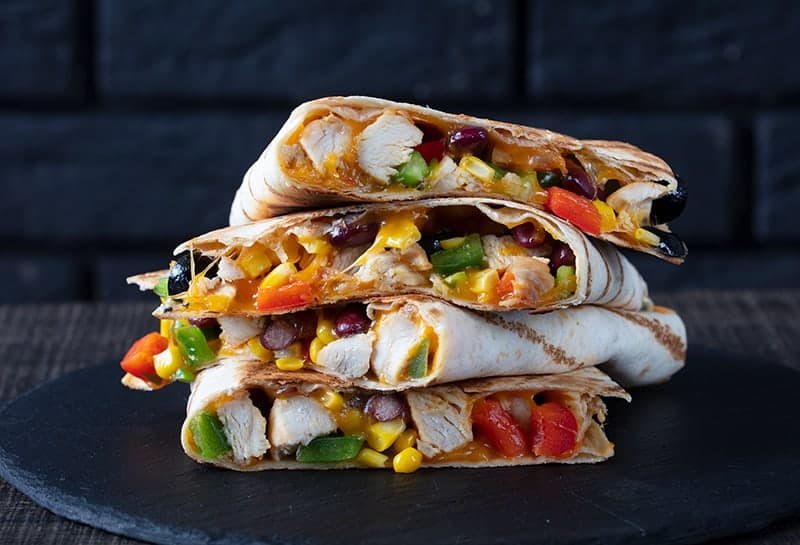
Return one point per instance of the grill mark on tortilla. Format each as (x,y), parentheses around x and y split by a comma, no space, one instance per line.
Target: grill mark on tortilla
(557,354)
(608,279)
(588,269)
(672,342)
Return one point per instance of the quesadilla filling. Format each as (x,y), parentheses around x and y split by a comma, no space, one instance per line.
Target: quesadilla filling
(396,153)
(312,424)
(455,252)
(340,341)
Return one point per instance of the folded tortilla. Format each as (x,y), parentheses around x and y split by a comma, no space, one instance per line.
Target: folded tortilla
(349,149)
(412,342)
(462,250)
(267,417)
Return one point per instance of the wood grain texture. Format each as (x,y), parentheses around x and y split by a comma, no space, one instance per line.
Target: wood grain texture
(40,342)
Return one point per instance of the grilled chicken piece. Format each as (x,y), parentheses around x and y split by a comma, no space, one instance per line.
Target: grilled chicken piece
(635,199)
(442,419)
(245,428)
(323,137)
(386,144)
(532,277)
(237,330)
(395,268)
(392,352)
(347,357)
(297,420)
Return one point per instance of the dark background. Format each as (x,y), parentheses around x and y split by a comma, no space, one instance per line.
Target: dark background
(126,126)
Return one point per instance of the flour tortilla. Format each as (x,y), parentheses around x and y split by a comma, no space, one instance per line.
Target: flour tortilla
(267,190)
(603,275)
(232,379)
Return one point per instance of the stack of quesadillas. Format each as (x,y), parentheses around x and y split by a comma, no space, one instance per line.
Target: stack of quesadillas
(458,303)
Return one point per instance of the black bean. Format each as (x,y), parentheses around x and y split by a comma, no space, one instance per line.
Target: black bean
(467,140)
(348,234)
(204,322)
(352,321)
(609,187)
(562,255)
(384,407)
(669,245)
(529,235)
(579,181)
(278,334)
(549,178)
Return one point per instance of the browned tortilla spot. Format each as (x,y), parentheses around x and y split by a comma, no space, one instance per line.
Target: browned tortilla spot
(663,334)
(557,354)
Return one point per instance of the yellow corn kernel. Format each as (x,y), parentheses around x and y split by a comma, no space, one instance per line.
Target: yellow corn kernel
(165,326)
(333,401)
(289,364)
(398,231)
(608,219)
(330,162)
(292,249)
(314,245)
(258,350)
(381,435)
(314,348)
(279,276)
(643,235)
(407,460)
(450,243)
(406,440)
(477,168)
(325,331)
(371,458)
(255,261)
(484,281)
(168,361)
(352,421)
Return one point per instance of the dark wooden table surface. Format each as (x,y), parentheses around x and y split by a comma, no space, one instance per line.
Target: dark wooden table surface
(41,342)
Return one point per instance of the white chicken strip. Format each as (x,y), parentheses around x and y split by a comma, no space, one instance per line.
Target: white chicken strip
(347,357)
(238,330)
(297,420)
(323,137)
(532,277)
(635,199)
(387,143)
(245,428)
(393,268)
(442,418)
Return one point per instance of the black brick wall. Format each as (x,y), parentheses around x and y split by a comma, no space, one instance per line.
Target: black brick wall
(126,126)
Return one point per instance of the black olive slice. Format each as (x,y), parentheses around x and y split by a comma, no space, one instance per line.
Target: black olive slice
(670,245)
(671,205)
(180,275)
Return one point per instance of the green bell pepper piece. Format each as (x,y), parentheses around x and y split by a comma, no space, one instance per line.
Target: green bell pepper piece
(184,375)
(330,449)
(468,254)
(565,278)
(208,435)
(418,366)
(455,279)
(160,288)
(414,171)
(193,346)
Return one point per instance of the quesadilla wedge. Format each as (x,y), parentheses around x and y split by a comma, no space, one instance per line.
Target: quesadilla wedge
(344,149)
(414,341)
(484,254)
(242,415)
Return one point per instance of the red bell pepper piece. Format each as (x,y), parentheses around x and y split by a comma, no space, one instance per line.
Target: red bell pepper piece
(499,428)
(431,150)
(574,208)
(138,361)
(554,430)
(506,284)
(294,294)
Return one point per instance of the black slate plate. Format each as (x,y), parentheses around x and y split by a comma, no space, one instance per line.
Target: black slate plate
(714,452)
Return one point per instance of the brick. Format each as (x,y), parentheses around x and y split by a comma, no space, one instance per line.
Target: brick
(700,148)
(733,268)
(662,50)
(110,272)
(777,175)
(38,49)
(29,278)
(300,50)
(124,177)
